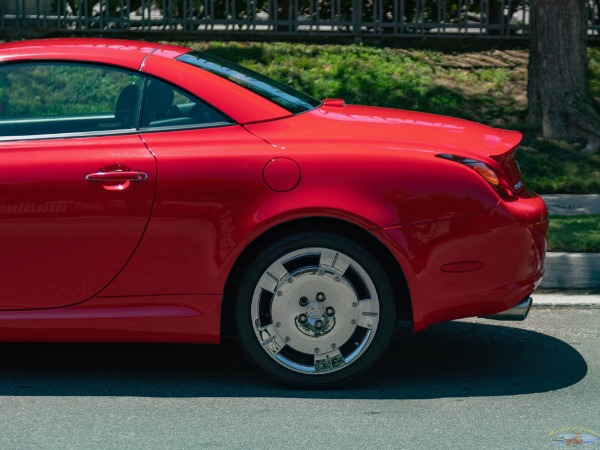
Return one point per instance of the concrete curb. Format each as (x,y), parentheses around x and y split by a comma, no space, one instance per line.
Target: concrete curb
(565,300)
(571,271)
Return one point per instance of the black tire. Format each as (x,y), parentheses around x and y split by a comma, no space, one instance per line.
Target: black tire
(315,310)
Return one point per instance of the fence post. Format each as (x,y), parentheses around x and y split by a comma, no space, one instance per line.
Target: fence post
(356,19)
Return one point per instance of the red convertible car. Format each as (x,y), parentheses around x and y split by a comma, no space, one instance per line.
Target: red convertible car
(151,193)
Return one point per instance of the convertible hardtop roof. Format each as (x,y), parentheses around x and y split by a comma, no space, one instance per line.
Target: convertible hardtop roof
(156,60)
(121,52)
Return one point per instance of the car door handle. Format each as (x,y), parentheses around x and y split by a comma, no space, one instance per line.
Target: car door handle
(118,176)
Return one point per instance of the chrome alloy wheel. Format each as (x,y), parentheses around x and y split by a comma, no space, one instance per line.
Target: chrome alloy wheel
(315,310)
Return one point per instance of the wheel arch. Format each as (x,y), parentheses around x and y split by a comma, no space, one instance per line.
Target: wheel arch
(314,224)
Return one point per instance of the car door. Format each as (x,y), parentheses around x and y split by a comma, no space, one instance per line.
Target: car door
(76,181)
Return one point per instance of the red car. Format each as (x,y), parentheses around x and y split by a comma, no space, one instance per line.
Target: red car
(151,193)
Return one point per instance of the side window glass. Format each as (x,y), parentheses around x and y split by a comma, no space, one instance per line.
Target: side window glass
(166,106)
(52,98)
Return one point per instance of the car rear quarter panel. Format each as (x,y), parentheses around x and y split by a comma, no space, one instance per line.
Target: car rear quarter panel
(212,202)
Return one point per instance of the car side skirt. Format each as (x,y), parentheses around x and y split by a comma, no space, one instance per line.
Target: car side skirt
(165,318)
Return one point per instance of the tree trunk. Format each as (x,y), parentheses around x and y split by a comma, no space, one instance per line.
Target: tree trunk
(560,103)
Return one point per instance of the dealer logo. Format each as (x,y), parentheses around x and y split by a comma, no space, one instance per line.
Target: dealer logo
(574,437)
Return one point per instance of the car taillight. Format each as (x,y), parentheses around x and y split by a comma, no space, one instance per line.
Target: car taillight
(500,185)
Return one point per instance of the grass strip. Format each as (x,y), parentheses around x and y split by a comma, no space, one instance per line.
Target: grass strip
(579,233)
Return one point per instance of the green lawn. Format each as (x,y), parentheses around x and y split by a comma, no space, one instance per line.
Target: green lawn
(579,233)
(488,86)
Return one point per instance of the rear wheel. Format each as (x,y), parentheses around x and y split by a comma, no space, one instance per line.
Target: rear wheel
(315,310)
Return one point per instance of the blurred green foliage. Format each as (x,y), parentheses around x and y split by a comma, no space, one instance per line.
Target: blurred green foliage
(28,90)
(381,76)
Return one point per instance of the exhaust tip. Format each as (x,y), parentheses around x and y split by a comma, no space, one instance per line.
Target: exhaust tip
(516,313)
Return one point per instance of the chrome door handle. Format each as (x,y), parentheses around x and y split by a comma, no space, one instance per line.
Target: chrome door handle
(116,177)
(117,174)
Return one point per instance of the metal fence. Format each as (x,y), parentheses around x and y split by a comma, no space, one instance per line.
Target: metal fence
(354,18)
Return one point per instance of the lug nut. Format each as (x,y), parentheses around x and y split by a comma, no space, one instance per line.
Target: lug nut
(320,297)
(303,301)
(302,319)
(319,325)
(329,311)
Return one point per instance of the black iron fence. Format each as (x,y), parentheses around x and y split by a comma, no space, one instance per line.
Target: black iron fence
(354,18)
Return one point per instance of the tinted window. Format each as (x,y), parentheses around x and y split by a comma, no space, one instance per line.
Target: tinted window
(51,98)
(166,106)
(288,98)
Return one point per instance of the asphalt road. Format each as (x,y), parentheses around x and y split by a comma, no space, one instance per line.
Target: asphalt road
(471,384)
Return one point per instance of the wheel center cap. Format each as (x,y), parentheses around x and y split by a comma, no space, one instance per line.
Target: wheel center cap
(315,310)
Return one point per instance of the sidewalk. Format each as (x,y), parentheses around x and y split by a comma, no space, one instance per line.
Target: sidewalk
(569,205)
(567,274)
